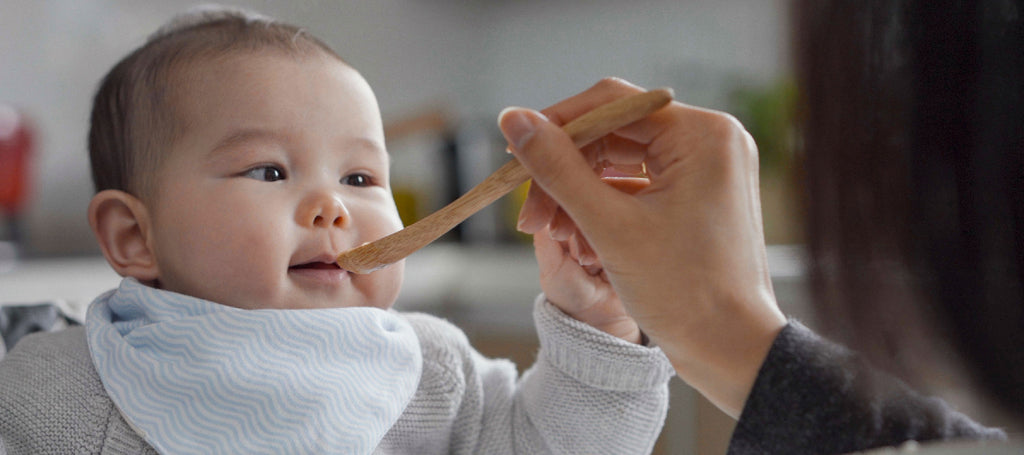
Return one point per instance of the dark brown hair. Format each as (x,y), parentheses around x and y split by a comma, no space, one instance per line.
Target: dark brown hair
(912,119)
(133,117)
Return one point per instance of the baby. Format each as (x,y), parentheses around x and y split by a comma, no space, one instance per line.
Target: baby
(234,158)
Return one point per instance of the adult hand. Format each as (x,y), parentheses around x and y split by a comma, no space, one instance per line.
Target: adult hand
(686,255)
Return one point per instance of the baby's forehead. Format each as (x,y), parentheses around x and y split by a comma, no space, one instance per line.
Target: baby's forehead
(183,73)
(198,80)
(255,99)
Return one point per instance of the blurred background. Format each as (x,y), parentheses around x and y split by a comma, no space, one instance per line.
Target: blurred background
(442,70)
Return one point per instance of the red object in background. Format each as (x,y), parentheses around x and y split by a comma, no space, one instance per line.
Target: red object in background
(16,142)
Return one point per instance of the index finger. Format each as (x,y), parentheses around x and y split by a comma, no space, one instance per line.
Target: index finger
(603,92)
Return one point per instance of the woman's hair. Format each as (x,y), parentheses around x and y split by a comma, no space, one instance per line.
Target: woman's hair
(912,126)
(133,115)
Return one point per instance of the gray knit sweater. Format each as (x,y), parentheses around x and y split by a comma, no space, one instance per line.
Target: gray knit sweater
(588,392)
(816,397)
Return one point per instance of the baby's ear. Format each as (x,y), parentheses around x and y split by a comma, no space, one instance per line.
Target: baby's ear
(121,224)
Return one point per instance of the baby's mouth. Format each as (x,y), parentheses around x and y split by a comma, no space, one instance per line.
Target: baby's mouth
(318,271)
(316,265)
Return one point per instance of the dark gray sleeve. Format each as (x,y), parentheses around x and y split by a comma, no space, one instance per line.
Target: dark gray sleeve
(812,396)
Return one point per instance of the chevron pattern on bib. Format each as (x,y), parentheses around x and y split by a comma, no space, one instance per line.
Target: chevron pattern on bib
(193,376)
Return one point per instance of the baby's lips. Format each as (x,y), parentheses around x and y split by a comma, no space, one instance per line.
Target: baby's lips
(321,261)
(316,265)
(335,258)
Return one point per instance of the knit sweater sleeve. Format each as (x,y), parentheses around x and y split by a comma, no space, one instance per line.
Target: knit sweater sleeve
(814,397)
(52,400)
(588,392)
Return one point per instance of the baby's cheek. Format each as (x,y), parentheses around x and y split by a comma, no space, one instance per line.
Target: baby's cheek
(384,286)
(244,264)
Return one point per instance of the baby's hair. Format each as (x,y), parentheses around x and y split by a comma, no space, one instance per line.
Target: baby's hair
(134,118)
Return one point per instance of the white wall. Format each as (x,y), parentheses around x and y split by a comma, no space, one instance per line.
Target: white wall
(473,56)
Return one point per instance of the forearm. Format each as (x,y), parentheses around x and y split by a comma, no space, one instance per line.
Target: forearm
(812,396)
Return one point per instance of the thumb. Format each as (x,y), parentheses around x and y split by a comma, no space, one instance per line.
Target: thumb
(558,166)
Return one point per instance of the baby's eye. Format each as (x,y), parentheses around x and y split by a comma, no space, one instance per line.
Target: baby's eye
(265,173)
(357,180)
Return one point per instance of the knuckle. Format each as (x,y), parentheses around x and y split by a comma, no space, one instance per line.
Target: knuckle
(726,133)
(724,126)
(615,85)
(610,82)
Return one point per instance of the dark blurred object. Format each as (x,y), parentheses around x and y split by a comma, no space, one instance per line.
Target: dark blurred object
(913,133)
(16,147)
(16,321)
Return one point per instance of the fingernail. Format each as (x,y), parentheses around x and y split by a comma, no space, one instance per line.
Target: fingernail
(518,124)
(561,234)
(528,226)
(587,260)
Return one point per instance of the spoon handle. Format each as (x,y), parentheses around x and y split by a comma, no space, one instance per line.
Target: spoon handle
(583,130)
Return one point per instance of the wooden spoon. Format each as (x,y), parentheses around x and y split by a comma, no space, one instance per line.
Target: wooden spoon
(583,130)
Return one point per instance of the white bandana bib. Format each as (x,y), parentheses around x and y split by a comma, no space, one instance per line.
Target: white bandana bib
(193,376)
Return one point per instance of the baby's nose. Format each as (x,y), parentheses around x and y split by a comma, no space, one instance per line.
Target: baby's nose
(322,209)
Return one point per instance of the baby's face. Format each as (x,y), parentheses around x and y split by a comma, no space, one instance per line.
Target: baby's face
(280,168)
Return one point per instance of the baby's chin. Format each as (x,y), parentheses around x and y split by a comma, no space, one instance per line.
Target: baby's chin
(317,306)
(310,304)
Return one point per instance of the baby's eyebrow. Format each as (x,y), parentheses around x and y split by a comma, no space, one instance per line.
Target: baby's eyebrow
(242,136)
(364,145)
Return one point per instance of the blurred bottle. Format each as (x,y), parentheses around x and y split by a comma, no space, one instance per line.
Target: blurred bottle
(419,173)
(16,143)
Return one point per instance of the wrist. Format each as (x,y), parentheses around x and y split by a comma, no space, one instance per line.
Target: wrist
(626,330)
(723,368)
(619,325)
